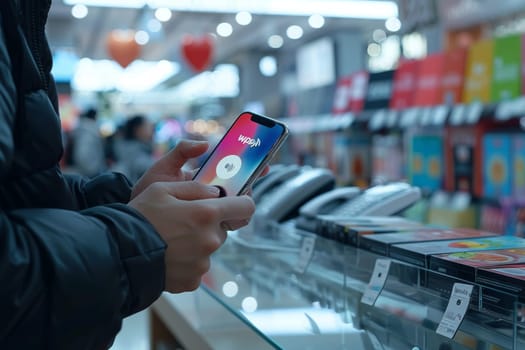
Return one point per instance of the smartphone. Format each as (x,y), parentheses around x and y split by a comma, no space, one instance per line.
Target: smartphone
(242,153)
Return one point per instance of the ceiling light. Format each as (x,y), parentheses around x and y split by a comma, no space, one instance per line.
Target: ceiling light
(393,24)
(294,32)
(79,11)
(154,25)
(379,35)
(327,8)
(224,29)
(374,49)
(163,14)
(142,37)
(243,18)
(268,66)
(275,41)
(316,21)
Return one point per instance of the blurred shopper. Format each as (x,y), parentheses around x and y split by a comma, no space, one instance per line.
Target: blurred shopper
(135,151)
(78,255)
(87,150)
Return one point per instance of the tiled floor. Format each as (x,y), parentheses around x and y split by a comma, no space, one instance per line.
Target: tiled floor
(134,334)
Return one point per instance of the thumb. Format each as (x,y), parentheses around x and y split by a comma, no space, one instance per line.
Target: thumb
(185,150)
(190,190)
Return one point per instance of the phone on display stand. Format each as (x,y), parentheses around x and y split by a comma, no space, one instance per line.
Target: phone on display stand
(242,154)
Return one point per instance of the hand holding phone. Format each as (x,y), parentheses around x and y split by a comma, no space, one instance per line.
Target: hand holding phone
(242,153)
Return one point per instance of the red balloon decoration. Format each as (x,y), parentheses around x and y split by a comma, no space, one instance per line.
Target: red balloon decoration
(122,47)
(198,52)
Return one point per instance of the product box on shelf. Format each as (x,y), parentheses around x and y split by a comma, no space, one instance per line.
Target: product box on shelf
(518,167)
(428,81)
(506,286)
(387,158)
(419,253)
(348,230)
(380,243)
(495,216)
(404,84)
(479,68)
(464,264)
(506,78)
(497,165)
(426,161)
(510,277)
(379,90)
(453,80)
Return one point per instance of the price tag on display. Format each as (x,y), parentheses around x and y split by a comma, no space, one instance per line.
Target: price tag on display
(458,115)
(474,112)
(409,117)
(306,253)
(456,309)
(377,281)
(426,116)
(391,118)
(504,110)
(377,120)
(439,115)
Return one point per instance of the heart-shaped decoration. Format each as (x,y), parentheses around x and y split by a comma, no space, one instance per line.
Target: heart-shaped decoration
(122,47)
(198,52)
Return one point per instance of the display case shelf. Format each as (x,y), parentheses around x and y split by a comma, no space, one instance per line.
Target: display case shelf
(259,277)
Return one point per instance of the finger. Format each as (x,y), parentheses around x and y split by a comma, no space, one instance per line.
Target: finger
(190,190)
(185,150)
(235,207)
(232,225)
(190,174)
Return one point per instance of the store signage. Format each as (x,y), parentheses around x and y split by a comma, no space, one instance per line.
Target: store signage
(456,309)
(453,77)
(479,72)
(506,78)
(428,82)
(350,93)
(404,84)
(379,90)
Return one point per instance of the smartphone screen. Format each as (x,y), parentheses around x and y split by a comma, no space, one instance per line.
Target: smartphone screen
(242,153)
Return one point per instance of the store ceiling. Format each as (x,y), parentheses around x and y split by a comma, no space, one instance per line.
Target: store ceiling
(87,36)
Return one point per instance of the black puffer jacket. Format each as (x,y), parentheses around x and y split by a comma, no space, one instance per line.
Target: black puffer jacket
(74,260)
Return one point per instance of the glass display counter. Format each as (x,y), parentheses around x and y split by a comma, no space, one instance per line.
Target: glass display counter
(290,289)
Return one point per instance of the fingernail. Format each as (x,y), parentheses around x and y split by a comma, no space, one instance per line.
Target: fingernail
(214,190)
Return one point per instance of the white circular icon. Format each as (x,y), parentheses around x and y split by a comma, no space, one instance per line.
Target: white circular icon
(228,167)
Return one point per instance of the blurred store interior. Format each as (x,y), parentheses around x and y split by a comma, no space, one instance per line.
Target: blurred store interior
(426,92)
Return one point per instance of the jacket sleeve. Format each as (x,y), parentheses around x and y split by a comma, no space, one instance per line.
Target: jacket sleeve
(103,189)
(70,277)
(7,108)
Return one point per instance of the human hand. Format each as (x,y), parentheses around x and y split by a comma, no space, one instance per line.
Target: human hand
(169,167)
(193,221)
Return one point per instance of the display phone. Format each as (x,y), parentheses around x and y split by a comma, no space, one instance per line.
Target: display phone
(242,153)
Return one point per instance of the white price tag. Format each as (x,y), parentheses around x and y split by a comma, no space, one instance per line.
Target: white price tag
(426,116)
(391,118)
(504,110)
(377,120)
(458,114)
(474,113)
(456,309)
(306,253)
(439,115)
(377,281)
